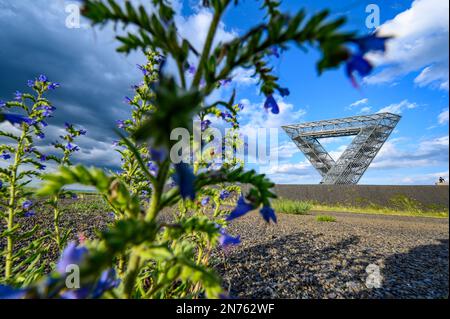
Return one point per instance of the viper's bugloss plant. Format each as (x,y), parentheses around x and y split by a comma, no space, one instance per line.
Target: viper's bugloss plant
(22,162)
(158,257)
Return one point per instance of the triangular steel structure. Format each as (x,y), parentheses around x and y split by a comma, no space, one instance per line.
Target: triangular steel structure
(370,131)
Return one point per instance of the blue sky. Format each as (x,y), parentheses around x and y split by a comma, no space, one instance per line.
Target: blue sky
(411,79)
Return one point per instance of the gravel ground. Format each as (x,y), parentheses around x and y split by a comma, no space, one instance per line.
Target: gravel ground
(303,258)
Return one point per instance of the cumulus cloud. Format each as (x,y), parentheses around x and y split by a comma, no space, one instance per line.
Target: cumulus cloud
(443,117)
(421,44)
(427,153)
(398,108)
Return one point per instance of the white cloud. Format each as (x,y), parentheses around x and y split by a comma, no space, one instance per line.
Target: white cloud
(359,102)
(427,153)
(421,44)
(365,109)
(443,117)
(397,108)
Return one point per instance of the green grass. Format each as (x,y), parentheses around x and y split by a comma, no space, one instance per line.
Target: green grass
(325,218)
(291,207)
(405,208)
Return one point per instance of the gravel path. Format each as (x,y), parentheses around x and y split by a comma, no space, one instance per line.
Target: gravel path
(303,258)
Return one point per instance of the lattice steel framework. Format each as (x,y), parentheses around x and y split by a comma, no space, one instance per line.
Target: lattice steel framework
(371,132)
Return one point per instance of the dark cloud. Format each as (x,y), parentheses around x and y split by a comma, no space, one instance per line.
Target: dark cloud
(94,78)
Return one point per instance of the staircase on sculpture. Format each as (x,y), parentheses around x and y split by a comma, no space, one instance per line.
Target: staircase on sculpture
(370,131)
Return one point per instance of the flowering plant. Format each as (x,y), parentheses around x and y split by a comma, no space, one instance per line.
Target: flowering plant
(152,256)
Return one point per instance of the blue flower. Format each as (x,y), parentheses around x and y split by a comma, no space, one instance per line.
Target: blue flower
(72,147)
(40,135)
(67,125)
(152,167)
(27,204)
(120,123)
(371,42)
(158,155)
(241,209)
(29,213)
(271,104)
(284,91)
(225,115)
(185,178)
(72,255)
(240,106)
(54,85)
(205,201)
(30,83)
(268,214)
(226,240)
(42,167)
(14,118)
(7,292)
(18,95)
(357,63)
(5,155)
(74,196)
(107,281)
(2,103)
(1,184)
(44,124)
(28,149)
(224,194)
(274,51)
(42,78)
(205,125)
(127,100)
(82,132)
(225,82)
(115,143)
(191,69)
(111,215)
(42,158)
(143,69)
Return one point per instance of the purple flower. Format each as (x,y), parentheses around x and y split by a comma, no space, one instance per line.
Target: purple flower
(27,204)
(44,124)
(14,118)
(67,125)
(152,167)
(120,124)
(115,143)
(42,158)
(241,209)
(1,184)
(205,125)
(18,95)
(191,69)
(225,115)
(72,147)
(371,42)
(7,292)
(42,78)
(224,194)
(127,100)
(268,214)
(54,85)
(271,104)
(226,240)
(29,213)
(74,196)
(185,178)
(284,91)
(72,255)
(158,155)
(240,106)
(143,69)
(111,215)
(5,155)
(225,82)
(274,51)
(82,132)
(42,167)
(357,63)
(40,135)
(30,83)
(205,201)
(107,281)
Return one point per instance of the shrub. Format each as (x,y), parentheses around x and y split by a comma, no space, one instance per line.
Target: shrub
(292,207)
(325,218)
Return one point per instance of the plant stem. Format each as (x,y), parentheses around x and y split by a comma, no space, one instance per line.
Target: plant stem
(12,206)
(208,44)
